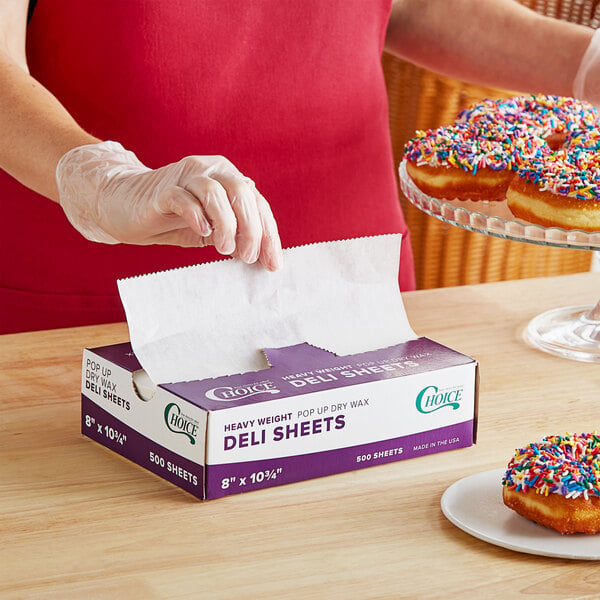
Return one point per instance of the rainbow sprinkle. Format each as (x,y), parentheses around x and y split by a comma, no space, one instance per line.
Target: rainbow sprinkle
(567,465)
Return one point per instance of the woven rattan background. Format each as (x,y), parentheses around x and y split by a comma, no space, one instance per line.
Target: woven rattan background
(446,255)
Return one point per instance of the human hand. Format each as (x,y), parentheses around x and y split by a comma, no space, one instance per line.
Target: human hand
(109,196)
(586,85)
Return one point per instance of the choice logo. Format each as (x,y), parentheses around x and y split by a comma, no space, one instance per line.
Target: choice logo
(431,398)
(229,393)
(177,422)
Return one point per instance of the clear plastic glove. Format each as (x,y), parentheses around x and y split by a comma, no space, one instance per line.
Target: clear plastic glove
(586,85)
(109,196)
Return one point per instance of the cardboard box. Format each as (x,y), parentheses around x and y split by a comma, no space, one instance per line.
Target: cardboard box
(310,414)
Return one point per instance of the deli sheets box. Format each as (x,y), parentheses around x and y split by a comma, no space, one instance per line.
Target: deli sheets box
(237,379)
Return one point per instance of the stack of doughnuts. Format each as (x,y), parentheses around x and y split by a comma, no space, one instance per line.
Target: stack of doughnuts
(540,153)
(556,483)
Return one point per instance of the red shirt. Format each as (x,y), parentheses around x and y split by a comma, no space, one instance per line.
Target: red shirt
(291,92)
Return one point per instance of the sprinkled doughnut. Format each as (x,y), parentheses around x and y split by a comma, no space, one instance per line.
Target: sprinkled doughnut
(548,117)
(468,161)
(477,156)
(556,483)
(561,188)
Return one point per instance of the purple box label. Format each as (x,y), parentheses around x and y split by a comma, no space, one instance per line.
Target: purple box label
(222,480)
(303,369)
(102,427)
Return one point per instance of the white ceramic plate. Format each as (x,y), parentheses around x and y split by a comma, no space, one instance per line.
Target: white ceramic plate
(474,504)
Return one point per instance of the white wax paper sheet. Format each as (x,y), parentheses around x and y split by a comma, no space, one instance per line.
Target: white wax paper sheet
(214,319)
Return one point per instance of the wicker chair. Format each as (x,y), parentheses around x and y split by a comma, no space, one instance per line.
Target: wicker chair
(446,255)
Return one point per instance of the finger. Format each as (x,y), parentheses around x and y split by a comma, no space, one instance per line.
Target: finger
(242,197)
(175,200)
(186,238)
(214,202)
(271,254)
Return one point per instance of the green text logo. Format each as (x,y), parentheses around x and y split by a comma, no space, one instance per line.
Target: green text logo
(177,422)
(430,399)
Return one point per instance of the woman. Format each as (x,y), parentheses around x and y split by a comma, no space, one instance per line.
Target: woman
(101,103)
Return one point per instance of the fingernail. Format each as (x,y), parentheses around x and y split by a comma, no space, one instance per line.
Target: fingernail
(249,255)
(275,260)
(204,227)
(227,245)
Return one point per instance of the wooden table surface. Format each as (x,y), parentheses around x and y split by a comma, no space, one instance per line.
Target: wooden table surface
(77,521)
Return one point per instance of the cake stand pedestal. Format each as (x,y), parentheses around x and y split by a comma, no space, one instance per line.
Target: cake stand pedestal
(571,332)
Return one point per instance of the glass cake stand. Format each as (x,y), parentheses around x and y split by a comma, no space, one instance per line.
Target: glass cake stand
(571,332)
